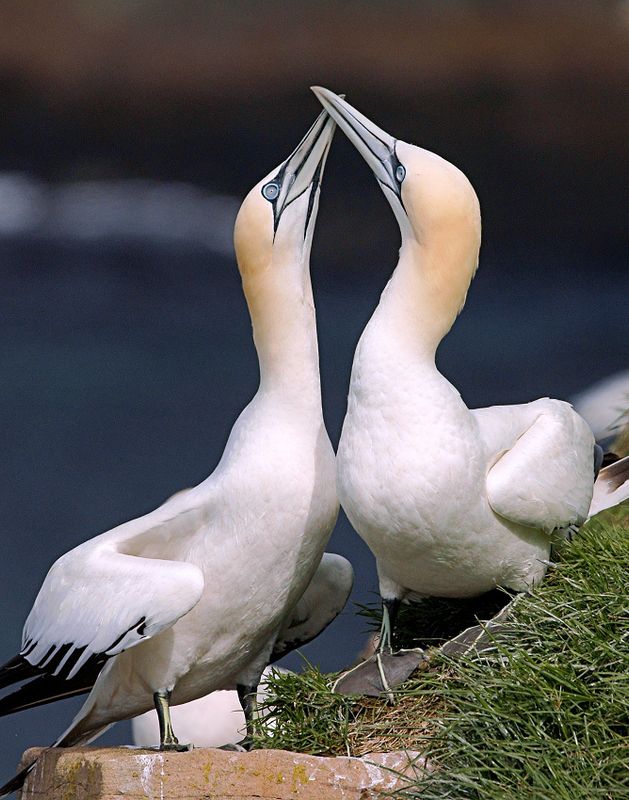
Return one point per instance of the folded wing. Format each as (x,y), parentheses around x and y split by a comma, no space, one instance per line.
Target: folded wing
(544,478)
(321,603)
(106,596)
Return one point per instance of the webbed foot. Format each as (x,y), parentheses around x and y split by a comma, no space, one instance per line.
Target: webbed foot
(482,637)
(174,747)
(379,674)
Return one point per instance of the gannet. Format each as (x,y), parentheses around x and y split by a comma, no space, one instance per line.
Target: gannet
(191,597)
(217,718)
(453,502)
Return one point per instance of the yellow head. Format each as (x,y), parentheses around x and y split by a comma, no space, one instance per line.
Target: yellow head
(434,203)
(272,237)
(275,224)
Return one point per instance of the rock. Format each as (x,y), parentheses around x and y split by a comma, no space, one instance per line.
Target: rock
(86,773)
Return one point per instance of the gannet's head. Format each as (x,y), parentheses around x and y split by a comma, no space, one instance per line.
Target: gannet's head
(428,195)
(438,214)
(276,221)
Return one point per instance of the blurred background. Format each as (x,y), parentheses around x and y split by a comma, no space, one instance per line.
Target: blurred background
(129,132)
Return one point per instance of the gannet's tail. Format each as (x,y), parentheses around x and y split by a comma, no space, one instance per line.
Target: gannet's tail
(39,688)
(68,739)
(42,690)
(16,783)
(611,486)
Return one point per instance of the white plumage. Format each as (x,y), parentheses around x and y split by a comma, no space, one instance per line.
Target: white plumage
(605,405)
(217,718)
(192,596)
(452,502)
(211,721)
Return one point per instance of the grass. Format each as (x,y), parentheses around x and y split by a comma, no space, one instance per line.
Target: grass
(545,716)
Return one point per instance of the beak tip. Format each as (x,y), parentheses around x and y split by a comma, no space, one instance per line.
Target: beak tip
(322,93)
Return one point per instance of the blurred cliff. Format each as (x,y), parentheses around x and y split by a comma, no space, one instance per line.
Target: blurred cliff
(530,99)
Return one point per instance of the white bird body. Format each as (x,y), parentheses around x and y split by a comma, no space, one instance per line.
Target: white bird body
(418,470)
(453,502)
(605,404)
(217,718)
(256,530)
(192,596)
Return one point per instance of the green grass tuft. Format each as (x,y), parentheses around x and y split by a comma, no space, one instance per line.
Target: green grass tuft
(304,715)
(545,716)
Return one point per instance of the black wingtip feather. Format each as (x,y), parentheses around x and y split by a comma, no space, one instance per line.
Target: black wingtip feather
(46,689)
(16,783)
(15,670)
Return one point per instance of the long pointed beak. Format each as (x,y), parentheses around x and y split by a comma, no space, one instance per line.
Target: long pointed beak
(376,146)
(302,170)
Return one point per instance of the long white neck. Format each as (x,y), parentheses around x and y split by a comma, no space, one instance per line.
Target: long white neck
(426,292)
(284,331)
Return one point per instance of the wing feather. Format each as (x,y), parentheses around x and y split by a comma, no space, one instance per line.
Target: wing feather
(98,600)
(544,479)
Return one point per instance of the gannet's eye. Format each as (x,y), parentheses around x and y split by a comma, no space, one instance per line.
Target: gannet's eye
(400,173)
(271,190)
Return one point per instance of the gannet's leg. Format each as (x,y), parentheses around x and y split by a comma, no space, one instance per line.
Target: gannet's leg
(247,683)
(248,696)
(390,609)
(167,738)
(391,593)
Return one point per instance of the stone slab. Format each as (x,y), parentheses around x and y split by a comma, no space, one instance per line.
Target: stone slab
(90,773)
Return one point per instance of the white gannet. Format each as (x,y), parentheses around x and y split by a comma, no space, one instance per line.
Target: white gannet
(217,718)
(453,502)
(191,597)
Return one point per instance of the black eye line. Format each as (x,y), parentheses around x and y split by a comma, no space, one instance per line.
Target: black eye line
(397,193)
(316,179)
(394,161)
(279,179)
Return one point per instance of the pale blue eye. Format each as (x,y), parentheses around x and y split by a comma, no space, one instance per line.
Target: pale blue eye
(400,173)
(270,191)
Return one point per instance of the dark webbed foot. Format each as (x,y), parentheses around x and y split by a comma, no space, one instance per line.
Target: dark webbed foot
(379,674)
(248,697)
(387,669)
(175,747)
(234,748)
(243,746)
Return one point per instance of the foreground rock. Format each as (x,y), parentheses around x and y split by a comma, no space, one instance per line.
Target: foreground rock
(87,773)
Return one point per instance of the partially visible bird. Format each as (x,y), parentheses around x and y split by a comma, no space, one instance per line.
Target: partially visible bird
(192,597)
(211,721)
(217,718)
(453,502)
(605,405)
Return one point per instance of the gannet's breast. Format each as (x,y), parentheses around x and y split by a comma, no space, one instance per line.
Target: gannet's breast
(412,470)
(270,508)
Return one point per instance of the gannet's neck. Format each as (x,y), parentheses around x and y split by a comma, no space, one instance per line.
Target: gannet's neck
(282,312)
(426,292)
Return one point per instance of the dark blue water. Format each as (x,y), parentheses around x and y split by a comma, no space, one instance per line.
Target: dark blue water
(123,364)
